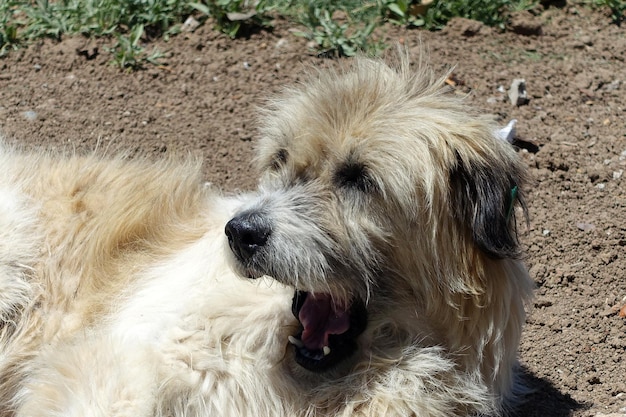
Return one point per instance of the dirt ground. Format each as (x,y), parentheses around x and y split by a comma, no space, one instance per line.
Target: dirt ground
(571,133)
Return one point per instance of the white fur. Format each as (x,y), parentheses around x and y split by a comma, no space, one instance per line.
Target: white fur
(19,244)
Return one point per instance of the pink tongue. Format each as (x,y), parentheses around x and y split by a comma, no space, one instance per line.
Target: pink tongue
(320,318)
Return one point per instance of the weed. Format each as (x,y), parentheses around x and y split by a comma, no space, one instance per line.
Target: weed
(335,27)
(8,26)
(617,8)
(339,28)
(128,21)
(354,30)
(490,12)
(230,15)
(128,54)
(401,12)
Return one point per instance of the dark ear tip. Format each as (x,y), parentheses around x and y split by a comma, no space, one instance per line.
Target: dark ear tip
(510,251)
(499,241)
(484,199)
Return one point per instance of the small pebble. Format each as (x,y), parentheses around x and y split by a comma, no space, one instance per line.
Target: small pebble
(30,115)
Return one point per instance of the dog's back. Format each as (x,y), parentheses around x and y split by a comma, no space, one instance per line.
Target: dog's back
(74,232)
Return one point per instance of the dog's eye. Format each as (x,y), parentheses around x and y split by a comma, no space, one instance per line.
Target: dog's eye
(278,159)
(355,176)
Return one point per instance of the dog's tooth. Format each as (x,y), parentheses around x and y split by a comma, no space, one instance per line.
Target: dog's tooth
(326,350)
(295,342)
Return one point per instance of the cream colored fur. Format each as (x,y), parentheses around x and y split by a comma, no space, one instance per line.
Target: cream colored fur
(118,295)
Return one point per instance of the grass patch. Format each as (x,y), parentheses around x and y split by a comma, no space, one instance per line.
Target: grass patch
(129,22)
(616,7)
(491,12)
(336,28)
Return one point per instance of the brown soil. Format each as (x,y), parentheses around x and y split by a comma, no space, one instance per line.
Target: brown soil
(572,134)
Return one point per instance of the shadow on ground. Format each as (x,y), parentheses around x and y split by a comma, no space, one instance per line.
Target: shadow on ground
(544,399)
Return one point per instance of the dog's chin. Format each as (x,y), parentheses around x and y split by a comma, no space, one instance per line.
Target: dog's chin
(328,331)
(242,269)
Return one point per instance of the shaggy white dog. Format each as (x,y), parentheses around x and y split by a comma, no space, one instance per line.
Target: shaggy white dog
(374,272)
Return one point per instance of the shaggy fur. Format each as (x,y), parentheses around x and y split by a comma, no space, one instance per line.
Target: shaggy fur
(385,210)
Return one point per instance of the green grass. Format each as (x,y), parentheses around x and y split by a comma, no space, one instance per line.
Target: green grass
(336,28)
(490,12)
(129,22)
(617,8)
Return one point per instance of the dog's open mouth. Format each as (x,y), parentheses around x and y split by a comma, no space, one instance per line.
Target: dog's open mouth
(329,330)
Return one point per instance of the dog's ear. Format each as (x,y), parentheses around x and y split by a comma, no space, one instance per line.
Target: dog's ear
(483,199)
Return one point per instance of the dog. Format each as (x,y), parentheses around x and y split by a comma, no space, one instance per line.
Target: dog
(375,272)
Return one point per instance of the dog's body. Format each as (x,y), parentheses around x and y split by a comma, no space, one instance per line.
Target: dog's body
(382,202)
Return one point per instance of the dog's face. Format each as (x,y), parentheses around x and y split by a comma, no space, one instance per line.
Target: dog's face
(371,181)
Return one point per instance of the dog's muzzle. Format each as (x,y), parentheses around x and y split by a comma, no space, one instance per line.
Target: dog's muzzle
(247,233)
(328,330)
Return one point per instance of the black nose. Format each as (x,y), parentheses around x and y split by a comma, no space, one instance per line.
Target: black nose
(246,234)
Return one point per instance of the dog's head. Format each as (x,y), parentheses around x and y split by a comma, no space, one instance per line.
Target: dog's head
(376,185)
